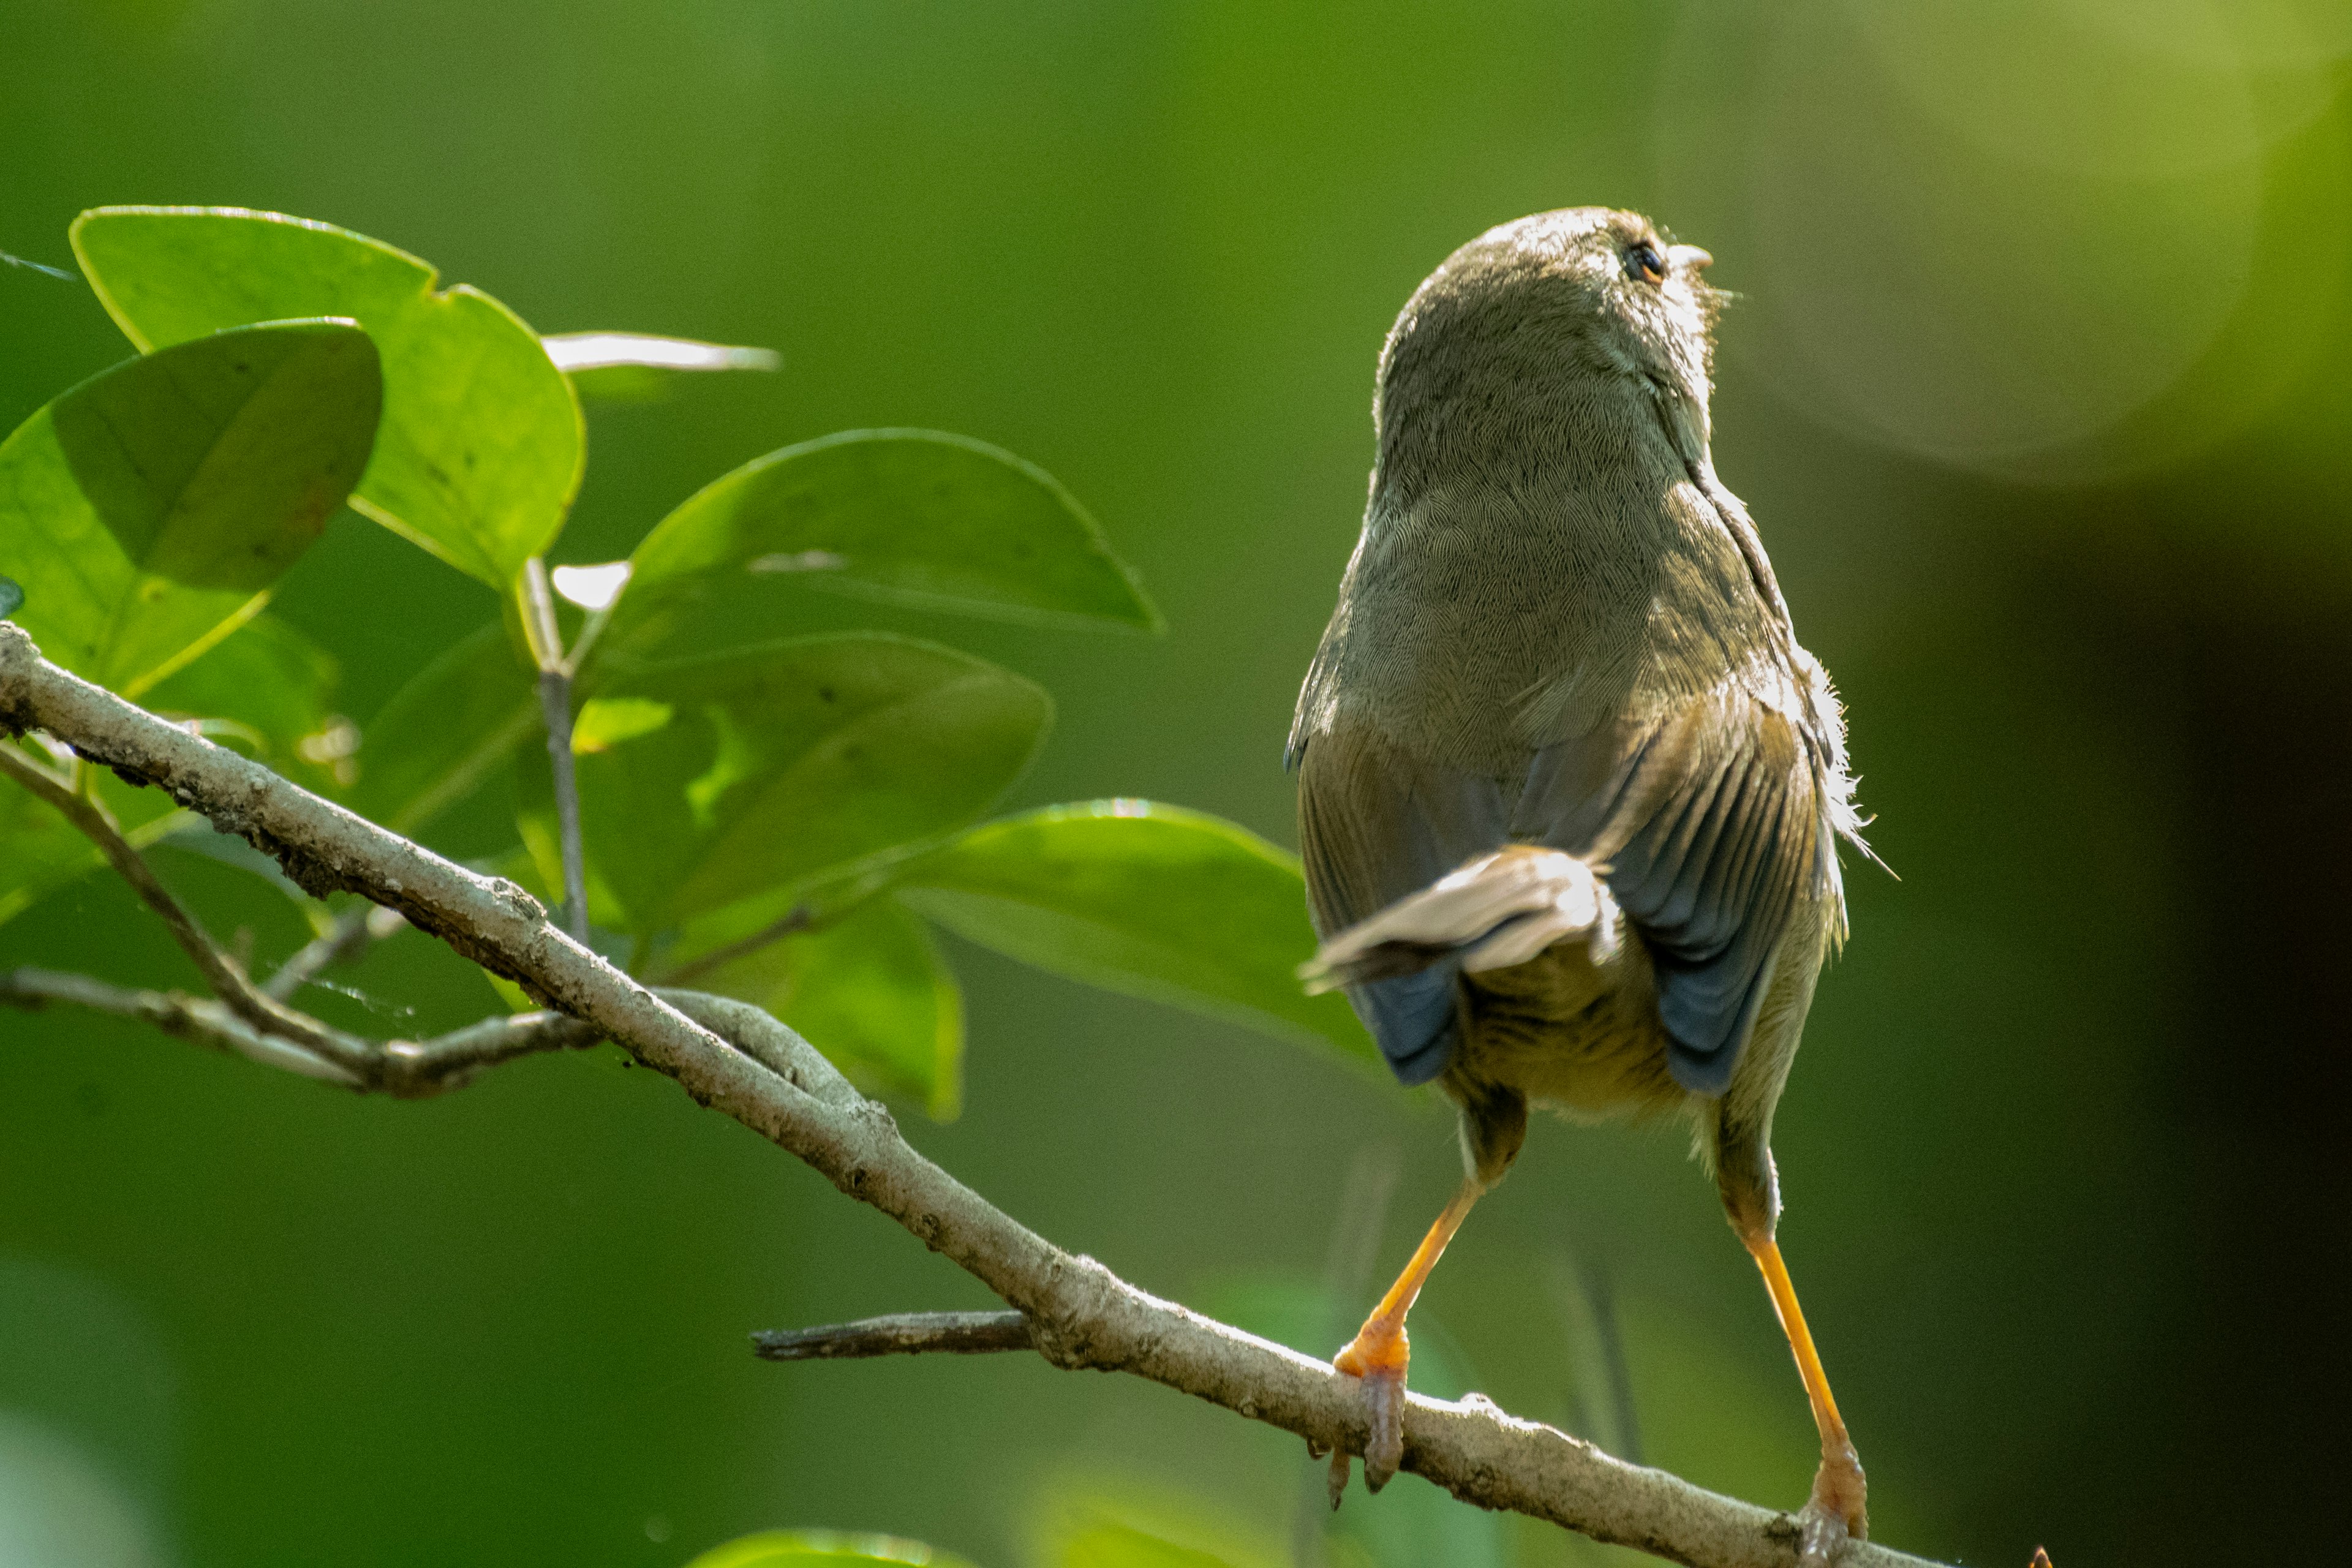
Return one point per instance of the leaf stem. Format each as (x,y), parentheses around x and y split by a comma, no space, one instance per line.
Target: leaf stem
(555,706)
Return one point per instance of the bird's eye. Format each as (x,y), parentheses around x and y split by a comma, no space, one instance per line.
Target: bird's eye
(1643,262)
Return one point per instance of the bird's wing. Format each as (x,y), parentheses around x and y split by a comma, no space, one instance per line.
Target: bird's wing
(1376,825)
(1710,825)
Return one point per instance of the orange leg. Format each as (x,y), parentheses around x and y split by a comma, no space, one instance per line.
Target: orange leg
(1836,1509)
(1379,1352)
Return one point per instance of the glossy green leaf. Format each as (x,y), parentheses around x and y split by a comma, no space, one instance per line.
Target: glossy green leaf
(909,516)
(794,1548)
(777,762)
(482,445)
(639,367)
(1152,901)
(11,596)
(872,992)
(148,511)
(446,731)
(269,690)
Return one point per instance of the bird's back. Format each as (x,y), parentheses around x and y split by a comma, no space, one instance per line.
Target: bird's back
(1559,629)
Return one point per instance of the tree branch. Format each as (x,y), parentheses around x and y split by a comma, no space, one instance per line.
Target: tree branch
(1080,1315)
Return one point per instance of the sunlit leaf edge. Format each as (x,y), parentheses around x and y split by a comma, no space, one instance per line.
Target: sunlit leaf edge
(485,571)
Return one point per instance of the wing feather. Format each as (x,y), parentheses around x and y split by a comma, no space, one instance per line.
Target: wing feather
(1376,825)
(1709,825)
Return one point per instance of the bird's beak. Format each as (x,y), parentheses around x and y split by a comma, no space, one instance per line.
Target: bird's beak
(1690,257)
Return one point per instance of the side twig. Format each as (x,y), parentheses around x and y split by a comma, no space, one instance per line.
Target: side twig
(901,1334)
(738,1059)
(221,973)
(405,1069)
(199,1020)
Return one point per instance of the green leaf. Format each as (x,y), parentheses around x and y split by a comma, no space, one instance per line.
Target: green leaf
(451,726)
(777,762)
(1151,900)
(11,596)
(482,445)
(791,1548)
(637,367)
(872,992)
(908,516)
(270,689)
(148,511)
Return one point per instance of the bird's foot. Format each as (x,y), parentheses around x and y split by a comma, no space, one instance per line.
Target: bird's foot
(1376,1357)
(1835,1514)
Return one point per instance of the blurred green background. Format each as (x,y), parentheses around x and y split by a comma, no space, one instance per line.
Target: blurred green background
(2035,386)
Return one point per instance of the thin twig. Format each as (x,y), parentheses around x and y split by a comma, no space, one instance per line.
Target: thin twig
(354,930)
(418,1070)
(221,973)
(799,918)
(193,1018)
(901,1334)
(737,1059)
(405,1069)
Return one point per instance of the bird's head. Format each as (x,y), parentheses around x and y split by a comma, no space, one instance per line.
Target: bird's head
(1561,307)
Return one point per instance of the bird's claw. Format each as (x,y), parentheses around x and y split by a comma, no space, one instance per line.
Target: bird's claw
(1821,1534)
(1384,1415)
(1384,1423)
(1835,1514)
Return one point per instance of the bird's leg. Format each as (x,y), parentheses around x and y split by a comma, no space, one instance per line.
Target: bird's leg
(1835,1511)
(1379,1352)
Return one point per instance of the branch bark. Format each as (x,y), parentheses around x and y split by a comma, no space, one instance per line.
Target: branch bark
(736,1058)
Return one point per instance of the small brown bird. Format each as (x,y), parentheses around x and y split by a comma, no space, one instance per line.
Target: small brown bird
(1569,791)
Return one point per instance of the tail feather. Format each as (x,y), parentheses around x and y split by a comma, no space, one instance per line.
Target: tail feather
(1494,911)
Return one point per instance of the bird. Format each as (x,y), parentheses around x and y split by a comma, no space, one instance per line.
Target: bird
(1571,793)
